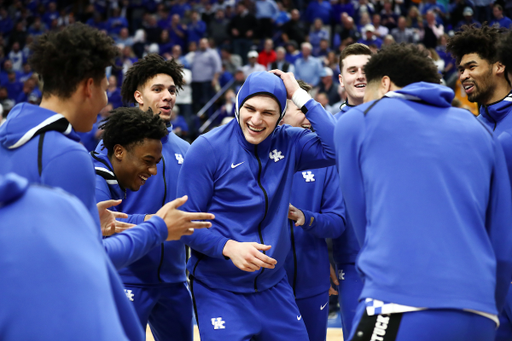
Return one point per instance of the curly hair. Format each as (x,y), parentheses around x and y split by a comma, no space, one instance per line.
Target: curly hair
(129,126)
(404,64)
(147,68)
(470,39)
(65,58)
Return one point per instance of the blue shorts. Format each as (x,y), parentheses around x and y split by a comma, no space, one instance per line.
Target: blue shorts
(349,290)
(167,308)
(261,316)
(315,313)
(423,325)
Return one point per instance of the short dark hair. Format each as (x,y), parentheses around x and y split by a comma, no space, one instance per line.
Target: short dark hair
(354,49)
(304,86)
(471,39)
(404,64)
(146,68)
(65,58)
(505,51)
(128,126)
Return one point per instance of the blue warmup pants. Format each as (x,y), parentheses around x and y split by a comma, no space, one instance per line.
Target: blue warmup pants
(349,290)
(167,308)
(267,315)
(504,332)
(315,312)
(423,325)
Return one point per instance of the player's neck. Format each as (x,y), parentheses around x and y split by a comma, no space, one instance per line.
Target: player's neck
(354,101)
(65,107)
(501,90)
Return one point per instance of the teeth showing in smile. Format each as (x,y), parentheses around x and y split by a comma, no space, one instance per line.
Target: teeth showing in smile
(143,178)
(359,86)
(306,126)
(254,129)
(467,87)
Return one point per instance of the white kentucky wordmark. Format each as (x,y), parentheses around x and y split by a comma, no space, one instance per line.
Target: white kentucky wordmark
(179,157)
(218,323)
(308,176)
(129,294)
(380,328)
(275,155)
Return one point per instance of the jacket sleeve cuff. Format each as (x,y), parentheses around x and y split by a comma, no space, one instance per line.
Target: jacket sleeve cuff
(161,227)
(310,220)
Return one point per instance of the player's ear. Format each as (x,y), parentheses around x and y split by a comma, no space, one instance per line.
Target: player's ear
(385,84)
(341,80)
(88,83)
(138,97)
(119,152)
(499,68)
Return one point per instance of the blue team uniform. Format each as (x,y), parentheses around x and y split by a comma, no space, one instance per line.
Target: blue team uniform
(317,194)
(497,118)
(156,282)
(42,146)
(345,250)
(429,197)
(248,188)
(56,279)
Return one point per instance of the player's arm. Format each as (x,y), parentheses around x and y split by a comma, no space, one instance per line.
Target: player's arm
(349,133)
(330,221)
(499,224)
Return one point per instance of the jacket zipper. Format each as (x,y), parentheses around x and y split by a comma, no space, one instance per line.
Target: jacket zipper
(163,203)
(266,209)
(294,257)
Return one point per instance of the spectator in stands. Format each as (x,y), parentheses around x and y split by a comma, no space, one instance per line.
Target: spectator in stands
(450,73)
(349,33)
(403,34)
(38,27)
(307,67)
(6,23)
(328,86)
(196,29)
(16,57)
(239,80)
(165,44)
(483,10)
(18,35)
(280,63)
(25,73)
(339,7)
(380,31)
(206,68)
(241,29)
(179,125)
(282,16)
(218,28)
(152,30)
(267,55)
(292,52)
(252,65)
(295,29)
(388,17)
(370,38)
(364,8)
(230,60)
(176,54)
(184,102)
(467,19)
(414,18)
(116,22)
(266,11)
(436,7)
(456,10)
(95,21)
(50,14)
(431,30)
(28,86)
(124,37)
(317,34)
(13,85)
(180,7)
(499,19)
(319,9)
(114,93)
(322,50)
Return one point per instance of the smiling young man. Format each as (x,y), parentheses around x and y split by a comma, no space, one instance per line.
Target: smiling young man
(317,211)
(243,171)
(41,144)
(345,248)
(157,281)
(427,191)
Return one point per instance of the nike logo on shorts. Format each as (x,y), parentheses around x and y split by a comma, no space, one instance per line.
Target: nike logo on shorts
(299,318)
(323,306)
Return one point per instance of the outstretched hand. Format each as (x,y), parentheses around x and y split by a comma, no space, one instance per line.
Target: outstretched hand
(109,224)
(289,81)
(180,223)
(248,256)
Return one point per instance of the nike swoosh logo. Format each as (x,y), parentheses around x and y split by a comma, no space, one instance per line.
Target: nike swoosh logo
(323,306)
(299,318)
(238,164)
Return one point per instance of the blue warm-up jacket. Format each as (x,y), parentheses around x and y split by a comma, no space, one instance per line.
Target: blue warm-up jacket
(248,188)
(316,192)
(427,190)
(56,279)
(42,146)
(166,262)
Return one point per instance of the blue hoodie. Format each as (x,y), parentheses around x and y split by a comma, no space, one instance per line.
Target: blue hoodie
(63,162)
(165,263)
(317,194)
(248,188)
(56,278)
(345,248)
(427,190)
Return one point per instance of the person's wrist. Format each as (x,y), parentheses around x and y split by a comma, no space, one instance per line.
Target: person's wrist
(227,248)
(300,97)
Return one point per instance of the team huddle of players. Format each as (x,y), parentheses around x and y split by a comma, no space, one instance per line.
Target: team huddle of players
(414,193)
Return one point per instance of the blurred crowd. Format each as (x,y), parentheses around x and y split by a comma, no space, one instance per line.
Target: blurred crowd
(220,42)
